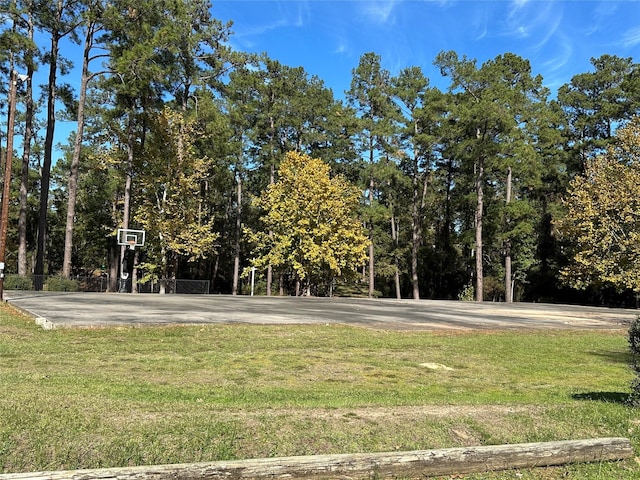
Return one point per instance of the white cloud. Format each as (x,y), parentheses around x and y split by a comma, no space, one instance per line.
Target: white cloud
(557,70)
(379,11)
(564,52)
(538,21)
(598,16)
(552,27)
(286,14)
(516,17)
(631,38)
(480,23)
(605,8)
(340,48)
(304,14)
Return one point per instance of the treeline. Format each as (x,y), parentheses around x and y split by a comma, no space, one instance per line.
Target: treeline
(177,134)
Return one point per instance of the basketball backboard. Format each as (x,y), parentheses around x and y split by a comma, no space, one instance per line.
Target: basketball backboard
(131,238)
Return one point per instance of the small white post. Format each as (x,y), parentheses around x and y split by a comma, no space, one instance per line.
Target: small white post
(253,279)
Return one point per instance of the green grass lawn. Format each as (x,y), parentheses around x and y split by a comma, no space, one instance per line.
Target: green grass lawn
(86,398)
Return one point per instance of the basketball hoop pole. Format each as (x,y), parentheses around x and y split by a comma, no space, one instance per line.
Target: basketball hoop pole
(130,239)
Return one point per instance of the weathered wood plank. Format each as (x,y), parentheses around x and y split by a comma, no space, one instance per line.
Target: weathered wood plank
(413,464)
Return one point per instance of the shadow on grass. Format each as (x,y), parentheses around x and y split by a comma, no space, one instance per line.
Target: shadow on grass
(608,397)
(614,357)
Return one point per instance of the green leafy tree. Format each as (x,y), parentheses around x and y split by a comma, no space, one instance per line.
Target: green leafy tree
(241,111)
(289,113)
(310,224)
(603,217)
(192,48)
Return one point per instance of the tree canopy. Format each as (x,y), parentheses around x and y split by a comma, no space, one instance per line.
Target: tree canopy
(603,216)
(311,227)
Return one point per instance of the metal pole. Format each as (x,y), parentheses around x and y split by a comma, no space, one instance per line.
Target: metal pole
(4,219)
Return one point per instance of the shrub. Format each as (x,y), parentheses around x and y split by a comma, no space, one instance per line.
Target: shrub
(467,294)
(493,289)
(17,282)
(61,284)
(353,289)
(634,346)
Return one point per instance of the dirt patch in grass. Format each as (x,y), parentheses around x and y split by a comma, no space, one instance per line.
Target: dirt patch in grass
(411,413)
(310,431)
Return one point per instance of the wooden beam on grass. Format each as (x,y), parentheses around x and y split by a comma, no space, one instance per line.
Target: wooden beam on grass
(413,464)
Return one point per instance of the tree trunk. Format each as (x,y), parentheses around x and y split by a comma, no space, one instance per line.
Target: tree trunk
(134,272)
(417,209)
(72,189)
(269,279)
(46,165)
(415,282)
(372,276)
(165,270)
(113,269)
(174,272)
(214,275)
(8,168)
(396,273)
(236,257)
(272,179)
(26,155)
(445,232)
(415,246)
(417,221)
(127,186)
(508,294)
(479,171)
(478,218)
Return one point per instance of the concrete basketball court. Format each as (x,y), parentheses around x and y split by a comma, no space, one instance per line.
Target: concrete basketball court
(57,310)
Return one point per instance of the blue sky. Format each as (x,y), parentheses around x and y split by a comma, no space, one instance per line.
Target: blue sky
(327,37)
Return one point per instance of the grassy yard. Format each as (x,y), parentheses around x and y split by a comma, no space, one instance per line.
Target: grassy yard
(86,398)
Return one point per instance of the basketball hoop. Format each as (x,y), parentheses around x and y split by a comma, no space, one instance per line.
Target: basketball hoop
(131,238)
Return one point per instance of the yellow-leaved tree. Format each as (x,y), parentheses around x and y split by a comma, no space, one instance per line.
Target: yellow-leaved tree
(170,205)
(311,228)
(603,217)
